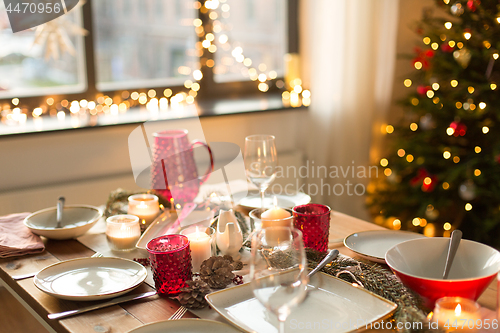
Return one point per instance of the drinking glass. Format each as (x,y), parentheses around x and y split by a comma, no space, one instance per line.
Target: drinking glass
(278,270)
(261,161)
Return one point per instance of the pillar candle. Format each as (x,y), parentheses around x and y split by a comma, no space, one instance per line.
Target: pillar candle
(276,217)
(122,232)
(200,245)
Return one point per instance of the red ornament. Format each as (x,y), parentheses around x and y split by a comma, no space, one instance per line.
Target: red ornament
(423,57)
(459,128)
(472,5)
(447,48)
(498,158)
(427,180)
(422,90)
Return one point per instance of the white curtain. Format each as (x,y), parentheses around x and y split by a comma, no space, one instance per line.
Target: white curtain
(348,53)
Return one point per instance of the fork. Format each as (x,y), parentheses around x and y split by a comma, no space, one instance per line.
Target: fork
(178,314)
(29,275)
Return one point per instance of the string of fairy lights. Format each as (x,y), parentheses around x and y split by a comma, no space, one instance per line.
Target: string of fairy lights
(153,100)
(462,56)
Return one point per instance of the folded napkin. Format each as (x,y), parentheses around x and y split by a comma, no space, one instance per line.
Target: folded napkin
(16,239)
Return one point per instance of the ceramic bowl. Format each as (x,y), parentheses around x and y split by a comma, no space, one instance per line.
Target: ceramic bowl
(77,220)
(419,263)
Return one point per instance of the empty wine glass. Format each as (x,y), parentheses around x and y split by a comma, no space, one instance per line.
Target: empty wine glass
(261,161)
(278,270)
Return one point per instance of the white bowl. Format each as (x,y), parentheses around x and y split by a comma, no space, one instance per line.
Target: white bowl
(76,220)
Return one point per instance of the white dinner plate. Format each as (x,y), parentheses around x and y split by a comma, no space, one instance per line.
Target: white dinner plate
(331,304)
(186,326)
(252,200)
(90,279)
(373,244)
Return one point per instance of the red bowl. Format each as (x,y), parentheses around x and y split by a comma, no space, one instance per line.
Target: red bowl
(419,264)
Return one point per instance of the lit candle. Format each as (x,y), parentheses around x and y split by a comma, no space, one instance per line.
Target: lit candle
(200,245)
(457,314)
(122,232)
(276,216)
(144,206)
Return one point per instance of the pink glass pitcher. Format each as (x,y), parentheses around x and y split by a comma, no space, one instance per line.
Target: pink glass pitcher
(174,173)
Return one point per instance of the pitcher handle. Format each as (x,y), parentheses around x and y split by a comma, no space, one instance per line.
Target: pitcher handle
(211,167)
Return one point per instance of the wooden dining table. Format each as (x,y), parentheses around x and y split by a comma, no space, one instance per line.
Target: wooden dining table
(127,316)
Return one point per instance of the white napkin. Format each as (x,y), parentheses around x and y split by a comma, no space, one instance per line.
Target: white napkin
(16,239)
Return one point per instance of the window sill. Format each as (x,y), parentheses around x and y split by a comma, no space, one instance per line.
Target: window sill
(267,103)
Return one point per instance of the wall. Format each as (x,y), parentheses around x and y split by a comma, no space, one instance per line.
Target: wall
(85,165)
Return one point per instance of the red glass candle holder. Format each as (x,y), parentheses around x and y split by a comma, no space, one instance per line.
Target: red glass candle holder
(314,222)
(170,261)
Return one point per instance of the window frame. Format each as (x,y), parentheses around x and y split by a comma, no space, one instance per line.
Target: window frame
(209,89)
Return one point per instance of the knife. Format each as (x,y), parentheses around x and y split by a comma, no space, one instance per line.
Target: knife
(114,301)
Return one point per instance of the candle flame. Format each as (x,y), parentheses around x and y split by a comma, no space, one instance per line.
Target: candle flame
(142,205)
(143,221)
(197,231)
(275,202)
(429,316)
(458,310)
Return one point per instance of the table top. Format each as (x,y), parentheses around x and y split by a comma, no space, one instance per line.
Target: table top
(130,315)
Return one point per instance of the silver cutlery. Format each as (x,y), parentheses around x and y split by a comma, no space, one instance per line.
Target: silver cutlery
(455,238)
(29,275)
(59,211)
(114,301)
(179,313)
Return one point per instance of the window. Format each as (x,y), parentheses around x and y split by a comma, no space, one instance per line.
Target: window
(24,71)
(145,45)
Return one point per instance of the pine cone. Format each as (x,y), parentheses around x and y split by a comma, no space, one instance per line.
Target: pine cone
(193,296)
(237,265)
(217,272)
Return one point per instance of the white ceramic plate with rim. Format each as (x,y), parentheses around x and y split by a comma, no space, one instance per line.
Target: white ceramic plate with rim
(186,326)
(90,279)
(333,304)
(252,200)
(373,244)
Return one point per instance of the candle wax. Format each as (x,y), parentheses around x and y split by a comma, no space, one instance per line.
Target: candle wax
(275,217)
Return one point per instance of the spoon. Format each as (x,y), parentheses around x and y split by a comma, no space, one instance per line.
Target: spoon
(59,212)
(455,238)
(329,258)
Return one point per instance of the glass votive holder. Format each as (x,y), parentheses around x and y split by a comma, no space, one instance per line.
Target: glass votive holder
(457,314)
(122,232)
(202,244)
(145,206)
(170,261)
(257,222)
(314,222)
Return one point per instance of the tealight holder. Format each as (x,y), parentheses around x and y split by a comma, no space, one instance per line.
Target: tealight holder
(314,222)
(122,232)
(170,261)
(145,206)
(457,314)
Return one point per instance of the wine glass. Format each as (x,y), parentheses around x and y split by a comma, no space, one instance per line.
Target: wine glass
(278,270)
(261,161)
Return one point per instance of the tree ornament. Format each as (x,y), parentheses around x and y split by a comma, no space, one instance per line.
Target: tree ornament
(498,158)
(457,9)
(467,190)
(422,90)
(445,47)
(427,181)
(193,296)
(427,122)
(459,128)
(472,5)
(462,56)
(423,56)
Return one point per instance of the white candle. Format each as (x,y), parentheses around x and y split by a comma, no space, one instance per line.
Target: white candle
(457,314)
(144,206)
(276,217)
(200,246)
(122,232)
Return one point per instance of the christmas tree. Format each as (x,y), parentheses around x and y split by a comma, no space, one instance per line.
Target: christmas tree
(442,166)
